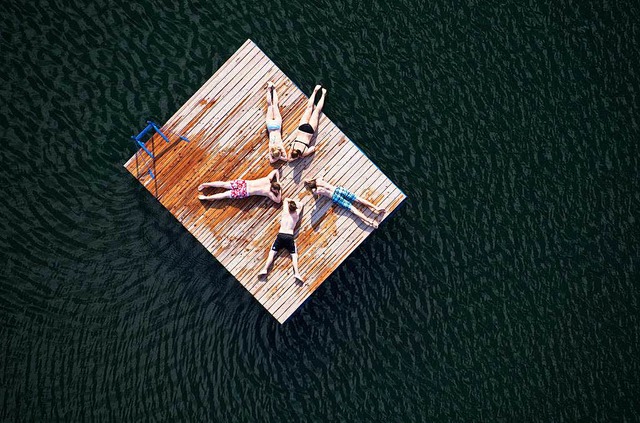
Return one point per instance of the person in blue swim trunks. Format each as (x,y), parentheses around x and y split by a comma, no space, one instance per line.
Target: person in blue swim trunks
(344,198)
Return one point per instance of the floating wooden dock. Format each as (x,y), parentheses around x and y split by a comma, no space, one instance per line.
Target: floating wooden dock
(225,123)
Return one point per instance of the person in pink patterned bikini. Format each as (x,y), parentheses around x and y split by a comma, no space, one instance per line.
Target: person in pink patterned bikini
(269,186)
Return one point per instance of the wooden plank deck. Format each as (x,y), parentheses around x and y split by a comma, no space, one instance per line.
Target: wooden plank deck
(225,123)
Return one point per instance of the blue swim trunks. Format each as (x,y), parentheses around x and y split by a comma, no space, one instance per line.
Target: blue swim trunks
(273,125)
(343,198)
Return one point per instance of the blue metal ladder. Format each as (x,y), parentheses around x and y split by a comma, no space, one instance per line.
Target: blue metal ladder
(151,126)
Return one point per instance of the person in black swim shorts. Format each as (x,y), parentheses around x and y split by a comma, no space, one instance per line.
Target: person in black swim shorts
(289,219)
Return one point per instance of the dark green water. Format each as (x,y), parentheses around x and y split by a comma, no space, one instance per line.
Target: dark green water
(504,289)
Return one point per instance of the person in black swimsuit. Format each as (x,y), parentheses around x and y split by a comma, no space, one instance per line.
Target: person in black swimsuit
(308,125)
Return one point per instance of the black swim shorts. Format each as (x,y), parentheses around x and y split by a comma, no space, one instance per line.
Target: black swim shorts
(284,241)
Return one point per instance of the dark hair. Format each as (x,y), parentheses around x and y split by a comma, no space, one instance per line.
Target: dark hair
(295,153)
(311,184)
(292,206)
(275,187)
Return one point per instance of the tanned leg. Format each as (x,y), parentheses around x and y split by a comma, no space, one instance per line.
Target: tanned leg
(276,107)
(220,196)
(269,100)
(296,271)
(215,184)
(315,116)
(309,109)
(370,205)
(365,219)
(267,265)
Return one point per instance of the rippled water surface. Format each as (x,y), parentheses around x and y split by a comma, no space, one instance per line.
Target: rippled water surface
(504,289)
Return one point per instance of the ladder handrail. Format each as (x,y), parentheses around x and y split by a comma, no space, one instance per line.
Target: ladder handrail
(141,145)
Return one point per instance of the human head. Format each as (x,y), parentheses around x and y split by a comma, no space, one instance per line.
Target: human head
(275,187)
(295,153)
(292,206)
(275,152)
(311,184)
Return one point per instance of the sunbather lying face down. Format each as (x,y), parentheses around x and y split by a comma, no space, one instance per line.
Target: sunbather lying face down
(269,186)
(344,198)
(274,126)
(289,219)
(301,146)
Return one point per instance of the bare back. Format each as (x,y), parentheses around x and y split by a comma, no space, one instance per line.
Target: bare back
(275,139)
(260,186)
(324,188)
(289,220)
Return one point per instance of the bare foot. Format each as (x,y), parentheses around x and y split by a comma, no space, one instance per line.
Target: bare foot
(316,98)
(373,224)
(380,210)
(202,197)
(270,84)
(299,280)
(316,88)
(201,187)
(263,274)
